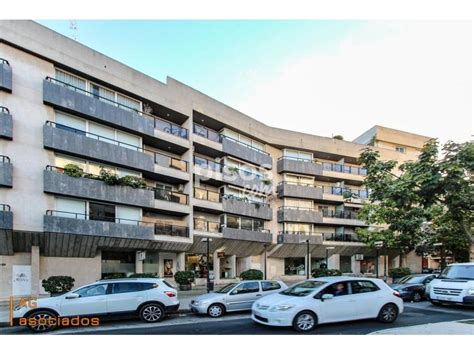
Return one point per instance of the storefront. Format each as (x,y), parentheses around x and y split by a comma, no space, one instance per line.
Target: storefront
(294,266)
(197,263)
(117,264)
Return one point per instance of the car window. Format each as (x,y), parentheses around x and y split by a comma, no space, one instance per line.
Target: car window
(247,287)
(123,287)
(363,287)
(270,285)
(303,288)
(337,289)
(93,290)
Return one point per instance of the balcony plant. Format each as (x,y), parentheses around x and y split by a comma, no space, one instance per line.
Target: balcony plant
(73,170)
(132,181)
(108,177)
(58,285)
(252,274)
(184,279)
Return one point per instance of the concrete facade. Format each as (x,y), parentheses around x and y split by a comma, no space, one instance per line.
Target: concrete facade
(50,241)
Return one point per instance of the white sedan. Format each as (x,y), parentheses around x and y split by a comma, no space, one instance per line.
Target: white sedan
(328,300)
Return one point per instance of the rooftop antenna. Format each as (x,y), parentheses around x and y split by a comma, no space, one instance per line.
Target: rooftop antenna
(74,29)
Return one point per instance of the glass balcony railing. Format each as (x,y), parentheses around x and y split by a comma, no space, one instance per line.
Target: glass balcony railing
(207,164)
(208,195)
(335,190)
(171,230)
(91,217)
(246,145)
(335,237)
(341,168)
(340,214)
(202,225)
(171,196)
(207,133)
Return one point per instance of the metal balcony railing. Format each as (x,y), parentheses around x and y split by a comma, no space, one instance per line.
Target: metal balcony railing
(245,144)
(5,207)
(341,168)
(4,61)
(340,237)
(207,133)
(3,109)
(340,214)
(4,159)
(84,216)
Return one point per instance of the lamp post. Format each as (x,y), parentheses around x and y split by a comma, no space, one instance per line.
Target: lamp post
(265,262)
(377,245)
(327,256)
(207,241)
(308,259)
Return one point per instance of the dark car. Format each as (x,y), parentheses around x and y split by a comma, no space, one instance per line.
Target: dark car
(412,287)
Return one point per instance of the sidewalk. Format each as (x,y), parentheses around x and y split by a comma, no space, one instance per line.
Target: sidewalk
(444,328)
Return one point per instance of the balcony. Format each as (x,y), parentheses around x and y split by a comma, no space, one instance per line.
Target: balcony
(340,194)
(299,214)
(172,133)
(6,217)
(207,200)
(246,207)
(166,165)
(78,101)
(246,179)
(299,166)
(6,123)
(338,172)
(171,201)
(262,236)
(6,171)
(207,133)
(349,238)
(348,218)
(205,227)
(246,152)
(87,145)
(81,224)
(287,237)
(290,189)
(5,76)
(57,182)
(171,230)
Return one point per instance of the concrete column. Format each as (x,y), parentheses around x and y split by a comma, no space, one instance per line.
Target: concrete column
(138,264)
(216,267)
(35,271)
(382,266)
(396,261)
(355,265)
(181,261)
(334,261)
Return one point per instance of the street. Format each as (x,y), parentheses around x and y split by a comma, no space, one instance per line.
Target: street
(240,323)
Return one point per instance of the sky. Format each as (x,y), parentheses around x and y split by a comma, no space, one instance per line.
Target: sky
(316,76)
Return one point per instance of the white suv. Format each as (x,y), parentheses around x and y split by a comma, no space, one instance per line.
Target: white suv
(454,285)
(149,298)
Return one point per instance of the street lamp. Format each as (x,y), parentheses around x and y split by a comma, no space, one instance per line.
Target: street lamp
(207,241)
(308,261)
(265,261)
(327,256)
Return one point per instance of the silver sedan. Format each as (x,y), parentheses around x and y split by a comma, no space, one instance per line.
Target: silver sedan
(233,297)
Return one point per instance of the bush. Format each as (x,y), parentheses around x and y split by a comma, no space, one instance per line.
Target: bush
(73,170)
(109,177)
(143,275)
(184,277)
(58,284)
(325,272)
(399,272)
(132,181)
(252,274)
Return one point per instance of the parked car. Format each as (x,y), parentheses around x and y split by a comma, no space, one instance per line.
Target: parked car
(149,298)
(237,296)
(326,300)
(412,287)
(455,285)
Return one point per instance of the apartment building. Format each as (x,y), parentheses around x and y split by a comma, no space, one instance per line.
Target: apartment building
(104,170)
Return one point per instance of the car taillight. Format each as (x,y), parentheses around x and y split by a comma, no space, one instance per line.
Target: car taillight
(170,294)
(396,293)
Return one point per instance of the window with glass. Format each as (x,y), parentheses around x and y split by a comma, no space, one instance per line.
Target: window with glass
(294,266)
(270,286)
(298,228)
(101,212)
(246,287)
(400,149)
(363,287)
(240,138)
(126,287)
(91,291)
(298,179)
(297,203)
(297,155)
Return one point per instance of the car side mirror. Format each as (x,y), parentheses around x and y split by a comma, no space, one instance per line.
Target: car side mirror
(72,296)
(326,296)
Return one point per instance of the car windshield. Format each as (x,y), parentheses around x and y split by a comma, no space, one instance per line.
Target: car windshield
(411,280)
(302,289)
(460,272)
(227,288)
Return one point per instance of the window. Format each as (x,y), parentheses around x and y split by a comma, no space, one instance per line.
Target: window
(124,287)
(90,291)
(124,100)
(233,222)
(70,208)
(400,149)
(296,154)
(295,203)
(363,287)
(101,212)
(128,215)
(243,139)
(71,79)
(298,228)
(246,223)
(337,289)
(270,285)
(299,180)
(71,123)
(303,288)
(247,287)
(294,266)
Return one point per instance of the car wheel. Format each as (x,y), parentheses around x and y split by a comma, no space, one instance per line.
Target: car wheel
(417,297)
(305,321)
(42,321)
(152,313)
(388,313)
(215,310)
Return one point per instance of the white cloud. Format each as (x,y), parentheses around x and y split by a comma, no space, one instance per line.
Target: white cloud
(414,76)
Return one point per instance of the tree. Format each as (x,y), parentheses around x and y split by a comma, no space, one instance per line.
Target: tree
(428,202)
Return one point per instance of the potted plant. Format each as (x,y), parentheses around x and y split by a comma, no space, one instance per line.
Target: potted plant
(252,274)
(58,285)
(184,279)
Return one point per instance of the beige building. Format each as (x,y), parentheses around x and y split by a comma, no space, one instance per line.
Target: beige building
(74,121)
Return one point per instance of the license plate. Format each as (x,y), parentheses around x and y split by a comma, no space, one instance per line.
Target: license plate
(445,298)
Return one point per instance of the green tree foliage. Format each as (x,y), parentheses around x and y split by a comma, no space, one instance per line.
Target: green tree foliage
(429,201)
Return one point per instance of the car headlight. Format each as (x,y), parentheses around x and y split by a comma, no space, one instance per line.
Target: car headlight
(282,307)
(470,292)
(197,303)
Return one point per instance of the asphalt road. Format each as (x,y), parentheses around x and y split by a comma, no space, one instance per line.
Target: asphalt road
(232,324)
